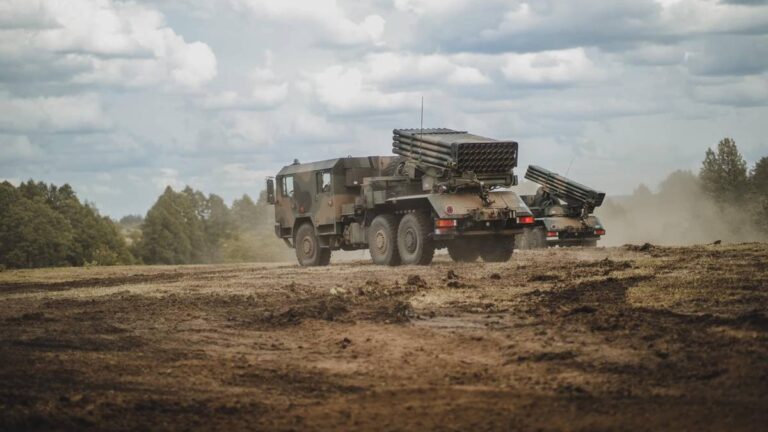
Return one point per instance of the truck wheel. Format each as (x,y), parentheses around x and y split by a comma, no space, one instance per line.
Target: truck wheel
(463,251)
(325,256)
(497,250)
(382,240)
(414,239)
(308,250)
(538,238)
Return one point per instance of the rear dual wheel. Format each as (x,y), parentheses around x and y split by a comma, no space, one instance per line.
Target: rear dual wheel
(382,240)
(414,239)
(463,250)
(497,249)
(408,240)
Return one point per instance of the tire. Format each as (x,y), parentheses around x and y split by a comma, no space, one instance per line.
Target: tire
(463,251)
(497,250)
(538,238)
(414,239)
(382,240)
(308,250)
(325,256)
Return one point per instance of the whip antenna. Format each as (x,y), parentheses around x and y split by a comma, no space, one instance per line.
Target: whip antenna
(421,125)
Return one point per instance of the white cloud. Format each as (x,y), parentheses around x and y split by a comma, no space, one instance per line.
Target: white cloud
(345,90)
(333,24)
(239,174)
(115,43)
(422,7)
(82,113)
(267,91)
(389,81)
(168,177)
(394,68)
(18,148)
(551,67)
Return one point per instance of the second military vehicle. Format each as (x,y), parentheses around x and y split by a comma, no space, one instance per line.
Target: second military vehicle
(440,191)
(563,211)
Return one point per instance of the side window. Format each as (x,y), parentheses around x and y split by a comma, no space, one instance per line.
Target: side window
(287,187)
(323,182)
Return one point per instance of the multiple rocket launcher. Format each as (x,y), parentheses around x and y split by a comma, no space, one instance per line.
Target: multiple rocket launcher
(461,152)
(575,194)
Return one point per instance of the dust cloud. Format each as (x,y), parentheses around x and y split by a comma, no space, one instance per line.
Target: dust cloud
(679,213)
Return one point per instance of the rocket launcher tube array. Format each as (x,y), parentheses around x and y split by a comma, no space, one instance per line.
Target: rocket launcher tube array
(456,150)
(564,188)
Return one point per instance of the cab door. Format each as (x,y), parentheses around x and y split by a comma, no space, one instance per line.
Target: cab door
(284,205)
(324,214)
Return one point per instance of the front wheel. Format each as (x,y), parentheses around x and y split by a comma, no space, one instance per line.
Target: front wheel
(414,239)
(497,250)
(308,250)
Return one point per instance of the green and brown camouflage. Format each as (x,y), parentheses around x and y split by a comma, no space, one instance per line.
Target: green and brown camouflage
(402,208)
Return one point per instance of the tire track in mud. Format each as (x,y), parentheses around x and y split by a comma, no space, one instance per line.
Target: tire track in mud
(114,281)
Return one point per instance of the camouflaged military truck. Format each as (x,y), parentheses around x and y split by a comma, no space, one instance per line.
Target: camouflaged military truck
(439,191)
(563,211)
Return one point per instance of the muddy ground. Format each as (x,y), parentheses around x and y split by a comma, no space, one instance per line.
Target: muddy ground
(643,338)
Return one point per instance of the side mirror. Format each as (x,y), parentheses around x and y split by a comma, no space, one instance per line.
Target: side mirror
(270,190)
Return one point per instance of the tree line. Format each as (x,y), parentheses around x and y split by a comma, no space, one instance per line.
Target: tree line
(725,177)
(725,200)
(45,225)
(188,227)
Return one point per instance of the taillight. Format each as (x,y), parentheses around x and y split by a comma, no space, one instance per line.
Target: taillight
(551,233)
(599,232)
(446,223)
(525,220)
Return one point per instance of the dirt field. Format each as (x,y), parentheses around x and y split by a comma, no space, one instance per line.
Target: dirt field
(643,338)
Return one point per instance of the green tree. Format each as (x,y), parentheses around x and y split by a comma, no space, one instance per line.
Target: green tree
(758,177)
(246,214)
(724,173)
(46,225)
(679,185)
(31,233)
(218,225)
(165,239)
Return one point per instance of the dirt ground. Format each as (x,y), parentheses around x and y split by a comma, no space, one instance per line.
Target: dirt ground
(632,338)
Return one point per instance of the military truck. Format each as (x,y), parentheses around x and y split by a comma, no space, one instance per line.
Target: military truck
(438,191)
(563,211)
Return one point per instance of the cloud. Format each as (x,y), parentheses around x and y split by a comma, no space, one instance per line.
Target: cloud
(168,177)
(238,174)
(730,55)
(101,42)
(519,26)
(330,21)
(745,92)
(346,90)
(550,67)
(266,91)
(82,113)
(18,148)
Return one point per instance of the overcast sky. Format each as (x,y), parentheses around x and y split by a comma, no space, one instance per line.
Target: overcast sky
(120,99)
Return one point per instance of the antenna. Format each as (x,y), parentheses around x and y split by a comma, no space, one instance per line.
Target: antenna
(421,126)
(569,166)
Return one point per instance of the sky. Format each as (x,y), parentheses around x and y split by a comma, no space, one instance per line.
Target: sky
(123,98)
